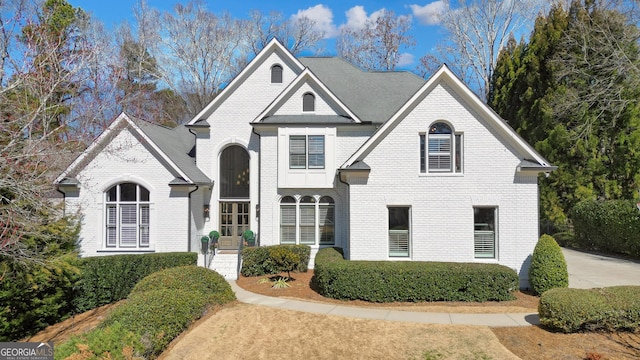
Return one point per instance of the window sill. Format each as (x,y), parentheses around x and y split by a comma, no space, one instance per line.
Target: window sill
(443,174)
(124,250)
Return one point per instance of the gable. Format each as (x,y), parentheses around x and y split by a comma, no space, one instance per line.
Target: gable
(259,68)
(169,147)
(462,95)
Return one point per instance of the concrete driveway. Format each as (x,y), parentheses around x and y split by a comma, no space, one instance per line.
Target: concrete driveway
(595,271)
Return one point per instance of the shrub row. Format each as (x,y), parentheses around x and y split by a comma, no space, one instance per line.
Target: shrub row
(548,268)
(611,309)
(157,310)
(257,261)
(107,279)
(610,226)
(387,281)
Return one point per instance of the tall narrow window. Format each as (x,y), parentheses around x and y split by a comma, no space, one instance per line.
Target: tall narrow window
(399,235)
(485,220)
(297,152)
(316,151)
(127,216)
(326,220)
(308,102)
(276,74)
(441,150)
(308,220)
(288,220)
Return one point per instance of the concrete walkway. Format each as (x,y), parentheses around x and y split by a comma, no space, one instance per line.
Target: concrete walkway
(496,320)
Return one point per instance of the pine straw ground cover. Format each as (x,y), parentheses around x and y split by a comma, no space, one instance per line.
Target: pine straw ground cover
(531,342)
(239,331)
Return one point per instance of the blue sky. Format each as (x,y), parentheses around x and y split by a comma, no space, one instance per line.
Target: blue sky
(329,15)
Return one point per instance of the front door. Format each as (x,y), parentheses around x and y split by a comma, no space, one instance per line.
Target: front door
(234,220)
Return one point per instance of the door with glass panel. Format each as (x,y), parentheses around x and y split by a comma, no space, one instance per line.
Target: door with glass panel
(234,196)
(234,221)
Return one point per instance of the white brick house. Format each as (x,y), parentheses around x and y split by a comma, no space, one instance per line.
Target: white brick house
(315,151)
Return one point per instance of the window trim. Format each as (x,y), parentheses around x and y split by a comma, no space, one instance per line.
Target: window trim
(274,74)
(316,202)
(312,158)
(308,102)
(399,232)
(491,254)
(455,153)
(113,220)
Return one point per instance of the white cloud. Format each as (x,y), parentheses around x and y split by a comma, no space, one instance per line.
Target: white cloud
(406,59)
(323,17)
(357,17)
(430,13)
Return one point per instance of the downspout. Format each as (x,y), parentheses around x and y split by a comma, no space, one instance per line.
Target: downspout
(257,240)
(349,217)
(64,203)
(189,218)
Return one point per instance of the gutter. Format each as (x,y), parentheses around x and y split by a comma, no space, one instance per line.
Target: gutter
(189,217)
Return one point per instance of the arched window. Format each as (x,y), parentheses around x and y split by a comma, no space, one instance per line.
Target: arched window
(308,102)
(288,220)
(441,149)
(276,74)
(307,220)
(127,216)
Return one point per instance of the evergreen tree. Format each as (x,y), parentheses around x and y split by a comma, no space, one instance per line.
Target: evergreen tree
(571,91)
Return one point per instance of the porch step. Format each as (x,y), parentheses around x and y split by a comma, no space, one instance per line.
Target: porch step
(226,264)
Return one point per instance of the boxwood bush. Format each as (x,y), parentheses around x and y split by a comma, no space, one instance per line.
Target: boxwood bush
(611,309)
(188,278)
(611,226)
(387,281)
(107,279)
(257,261)
(155,312)
(548,268)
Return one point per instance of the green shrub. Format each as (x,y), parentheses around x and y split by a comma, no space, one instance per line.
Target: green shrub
(158,314)
(114,340)
(611,226)
(284,258)
(548,268)
(34,295)
(387,281)
(188,278)
(257,261)
(611,309)
(107,279)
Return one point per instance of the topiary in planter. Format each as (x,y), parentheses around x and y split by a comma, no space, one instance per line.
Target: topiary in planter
(548,267)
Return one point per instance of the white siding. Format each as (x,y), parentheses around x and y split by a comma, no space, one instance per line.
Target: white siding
(442,204)
(126,160)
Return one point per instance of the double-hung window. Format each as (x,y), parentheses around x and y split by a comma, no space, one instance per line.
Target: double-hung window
(307,221)
(127,216)
(485,224)
(399,235)
(306,152)
(441,150)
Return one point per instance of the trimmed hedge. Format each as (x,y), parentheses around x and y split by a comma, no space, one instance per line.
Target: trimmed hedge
(611,309)
(257,261)
(159,309)
(611,226)
(188,278)
(548,268)
(387,281)
(107,279)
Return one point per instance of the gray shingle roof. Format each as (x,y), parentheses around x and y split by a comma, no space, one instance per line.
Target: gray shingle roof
(372,96)
(307,119)
(177,144)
